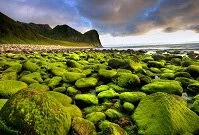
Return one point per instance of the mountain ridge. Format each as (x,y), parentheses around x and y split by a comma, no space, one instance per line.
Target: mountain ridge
(15,32)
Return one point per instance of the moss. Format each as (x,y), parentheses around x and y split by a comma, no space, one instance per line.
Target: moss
(109,128)
(116,87)
(60,89)
(145,79)
(71,91)
(73,64)
(196,97)
(182,74)
(54,81)
(74,56)
(123,71)
(87,98)
(193,70)
(33,112)
(14,68)
(194,88)
(32,78)
(108,94)
(169,86)
(146,59)
(87,72)
(161,113)
(9,87)
(74,111)
(5,130)
(185,82)
(158,57)
(107,73)
(117,63)
(95,117)
(129,107)
(39,86)
(128,81)
(63,99)
(113,114)
(132,96)
(156,64)
(30,66)
(135,65)
(155,70)
(70,77)
(8,76)
(76,70)
(195,107)
(83,127)
(95,108)
(169,76)
(2,102)
(58,71)
(101,88)
(86,82)
(176,61)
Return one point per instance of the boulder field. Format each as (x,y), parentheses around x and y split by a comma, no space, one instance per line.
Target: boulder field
(99,92)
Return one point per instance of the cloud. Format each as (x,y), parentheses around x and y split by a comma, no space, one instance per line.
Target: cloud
(115,17)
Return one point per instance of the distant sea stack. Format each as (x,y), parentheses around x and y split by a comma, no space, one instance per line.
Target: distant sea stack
(14,32)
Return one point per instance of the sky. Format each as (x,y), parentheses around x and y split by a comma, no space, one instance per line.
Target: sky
(118,22)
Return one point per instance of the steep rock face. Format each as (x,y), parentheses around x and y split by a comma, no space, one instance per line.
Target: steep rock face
(92,37)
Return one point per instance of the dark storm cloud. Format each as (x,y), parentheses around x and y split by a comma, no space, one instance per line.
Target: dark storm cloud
(126,17)
(116,17)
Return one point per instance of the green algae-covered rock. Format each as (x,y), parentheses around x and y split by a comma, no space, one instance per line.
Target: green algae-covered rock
(185,82)
(195,106)
(168,86)
(74,64)
(193,87)
(9,87)
(108,94)
(94,108)
(35,112)
(182,74)
(116,87)
(95,117)
(71,91)
(39,86)
(101,88)
(74,111)
(128,80)
(155,70)
(72,76)
(57,71)
(109,128)
(169,76)
(132,96)
(157,64)
(54,81)
(86,82)
(30,66)
(87,98)
(74,56)
(83,127)
(2,102)
(164,114)
(113,114)
(60,89)
(135,65)
(63,99)
(14,68)
(196,97)
(107,73)
(193,70)
(8,76)
(117,63)
(128,106)
(34,77)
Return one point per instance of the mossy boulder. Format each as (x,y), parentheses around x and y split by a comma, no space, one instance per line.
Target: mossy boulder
(155,70)
(74,64)
(135,65)
(34,77)
(95,117)
(39,86)
(176,61)
(86,82)
(107,73)
(193,70)
(182,74)
(168,86)
(74,56)
(83,127)
(57,71)
(60,89)
(54,81)
(35,112)
(194,88)
(87,98)
(129,107)
(128,80)
(8,76)
(101,88)
(157,64)
(94,108)
(9,87)
(63,99)
(161,113)
(70,77)
(71,91)
(132,96)
(117,63)
(113,114)
(30,66)
(74,111)
(185,82)
(169,76)
(116,88)
(109,128)
(108,94)
(2,102)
